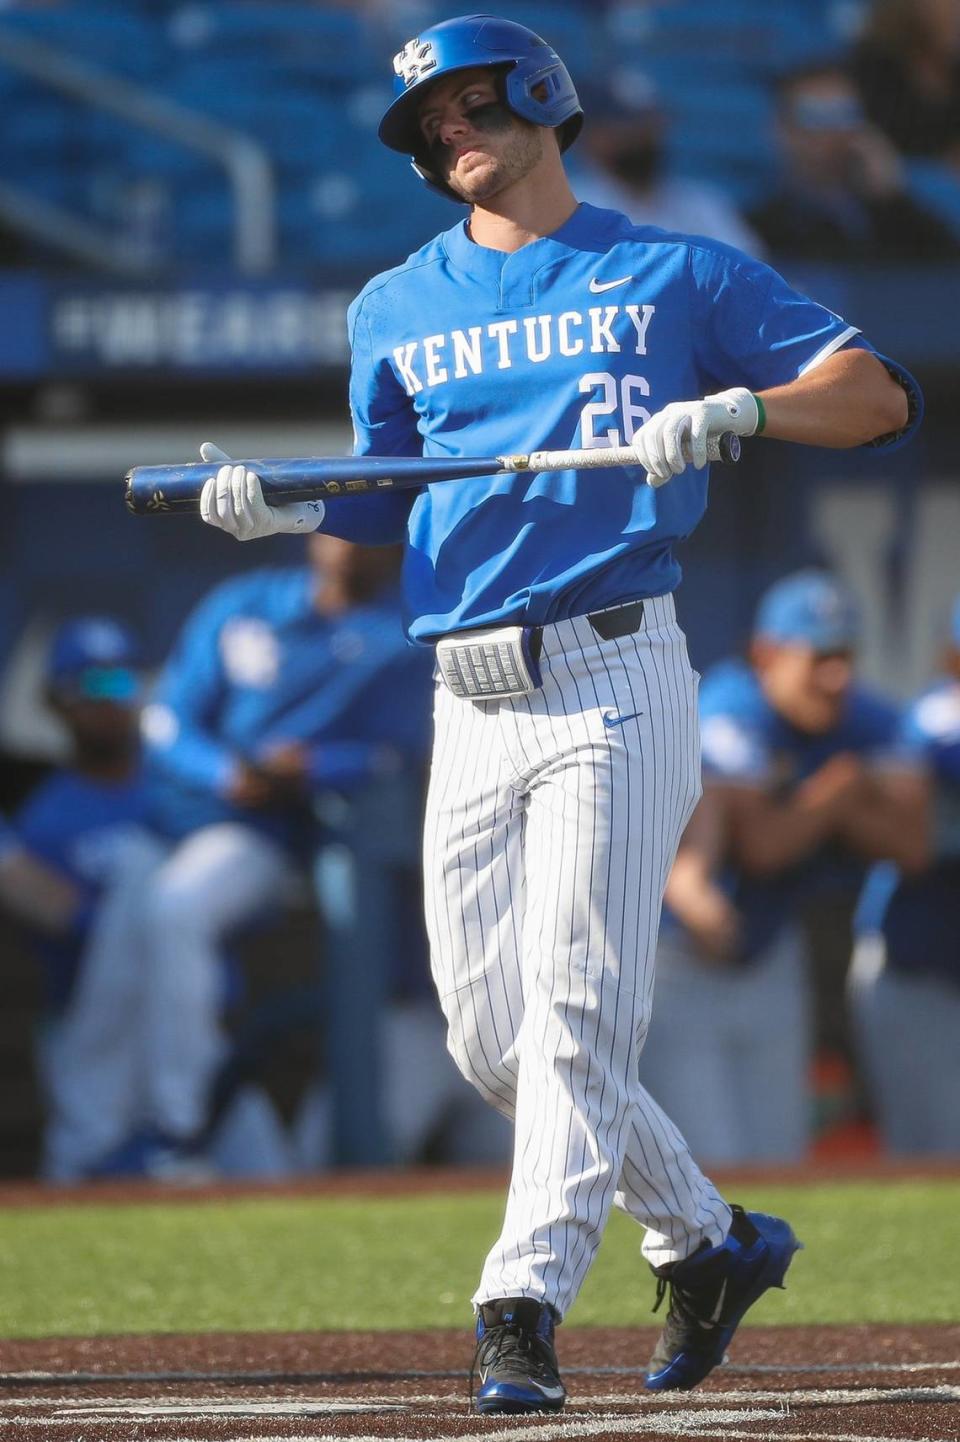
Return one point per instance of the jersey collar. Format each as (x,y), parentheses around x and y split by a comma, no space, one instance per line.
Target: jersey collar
(587,229)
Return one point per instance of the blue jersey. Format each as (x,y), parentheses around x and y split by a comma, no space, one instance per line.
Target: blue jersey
(80,827)
(744,740)
(257,665)
(574,340)
(919,916)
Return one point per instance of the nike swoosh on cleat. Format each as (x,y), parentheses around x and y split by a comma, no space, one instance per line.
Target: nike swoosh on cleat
(720,1301)
(545,1390)
(599,286)
(610,719)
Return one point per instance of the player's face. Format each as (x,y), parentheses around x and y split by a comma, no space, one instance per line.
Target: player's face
(478,146)
(808,688)
(358,571)
(102,730)
(824,126)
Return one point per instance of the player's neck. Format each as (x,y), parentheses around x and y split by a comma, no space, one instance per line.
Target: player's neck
(535,207)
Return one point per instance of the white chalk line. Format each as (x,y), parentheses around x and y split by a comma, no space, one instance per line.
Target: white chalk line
(294,1377)
(557,1432)
(654,1404)
(745,1369)
(829,1396)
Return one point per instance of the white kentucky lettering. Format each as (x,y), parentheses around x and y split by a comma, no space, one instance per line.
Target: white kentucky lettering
(564,321)
(467,352)
(601,318)
(436,373)
(500,329)
(530,326)
(403,355)
(641,315)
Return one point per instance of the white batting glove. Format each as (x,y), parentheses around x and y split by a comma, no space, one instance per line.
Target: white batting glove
(676,437)
(232,500)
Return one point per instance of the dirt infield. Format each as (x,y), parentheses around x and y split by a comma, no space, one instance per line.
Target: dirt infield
(416,1181)
(845,1384)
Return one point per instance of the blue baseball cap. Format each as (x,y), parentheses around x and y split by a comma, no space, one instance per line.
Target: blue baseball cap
(94,657)
(809,608)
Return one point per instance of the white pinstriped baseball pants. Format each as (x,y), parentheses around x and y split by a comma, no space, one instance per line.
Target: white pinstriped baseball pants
(552,821)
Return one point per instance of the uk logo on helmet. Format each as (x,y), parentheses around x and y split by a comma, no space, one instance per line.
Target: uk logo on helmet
(414,60)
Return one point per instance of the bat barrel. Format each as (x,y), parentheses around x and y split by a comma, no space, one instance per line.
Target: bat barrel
(159,490)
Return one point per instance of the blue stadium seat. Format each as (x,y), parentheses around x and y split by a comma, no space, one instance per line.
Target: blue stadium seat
(301,38)
(37,128)
(751,33)
(293,124)
(725,136)
(126,41)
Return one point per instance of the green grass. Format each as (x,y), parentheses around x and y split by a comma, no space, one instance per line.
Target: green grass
(876,1252)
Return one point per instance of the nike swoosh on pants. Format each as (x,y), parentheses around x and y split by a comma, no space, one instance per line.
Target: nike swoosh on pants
(610,720)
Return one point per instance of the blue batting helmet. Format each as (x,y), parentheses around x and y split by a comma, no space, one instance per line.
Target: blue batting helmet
(528,63)
(95,657)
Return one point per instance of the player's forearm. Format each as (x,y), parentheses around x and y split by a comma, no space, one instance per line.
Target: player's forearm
(689,876)
(770,836)
(891,825)
(848,400)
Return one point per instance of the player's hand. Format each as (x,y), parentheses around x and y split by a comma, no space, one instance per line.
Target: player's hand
(677,436)
(286,766)
(232,500)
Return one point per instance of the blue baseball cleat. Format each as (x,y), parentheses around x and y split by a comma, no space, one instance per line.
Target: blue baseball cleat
(515,1360)
(709,1294)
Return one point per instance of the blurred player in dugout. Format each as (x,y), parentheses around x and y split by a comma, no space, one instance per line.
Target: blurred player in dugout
(72,865)
(904,981)
(286,683)
(805,780)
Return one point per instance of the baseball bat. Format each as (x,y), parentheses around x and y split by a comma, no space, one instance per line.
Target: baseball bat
(152,490)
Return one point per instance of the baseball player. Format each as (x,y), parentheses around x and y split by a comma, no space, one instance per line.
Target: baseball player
(566,759)
(85,828)
(285,681)
(904,980)
(805,782)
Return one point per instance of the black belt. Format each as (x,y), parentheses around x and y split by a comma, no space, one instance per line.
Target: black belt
(621,621)
(618,621)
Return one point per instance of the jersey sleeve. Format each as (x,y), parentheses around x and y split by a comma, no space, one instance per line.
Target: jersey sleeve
(931,730)
(179,723)
(384,424)
(734,747)
(755,330)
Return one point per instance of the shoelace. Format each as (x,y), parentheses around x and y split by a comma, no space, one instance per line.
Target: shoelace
(682,1307)
(509,1338)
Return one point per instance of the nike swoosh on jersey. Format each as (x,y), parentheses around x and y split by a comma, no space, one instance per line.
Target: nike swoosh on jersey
(598,286)
(611,719)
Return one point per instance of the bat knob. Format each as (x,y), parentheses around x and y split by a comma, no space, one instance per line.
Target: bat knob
(729,448)
(128,492)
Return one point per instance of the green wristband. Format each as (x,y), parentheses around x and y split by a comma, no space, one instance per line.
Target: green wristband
(761,415)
